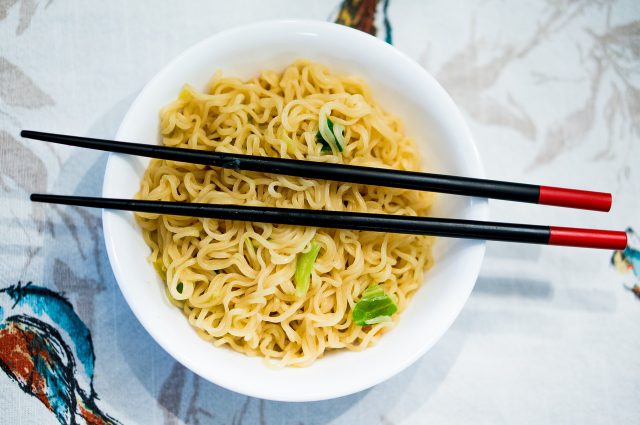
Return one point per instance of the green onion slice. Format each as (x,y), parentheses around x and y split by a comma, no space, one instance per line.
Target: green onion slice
(304,265)
(338,133)
(160,267)
(330,135)
(250,247)
(374,307)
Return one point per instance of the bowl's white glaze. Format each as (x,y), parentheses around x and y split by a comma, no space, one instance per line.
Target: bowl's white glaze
(404,89)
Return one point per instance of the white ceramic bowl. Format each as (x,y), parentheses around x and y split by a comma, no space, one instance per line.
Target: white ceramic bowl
(404,89)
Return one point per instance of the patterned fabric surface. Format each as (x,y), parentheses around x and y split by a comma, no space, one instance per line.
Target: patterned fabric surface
(551,90)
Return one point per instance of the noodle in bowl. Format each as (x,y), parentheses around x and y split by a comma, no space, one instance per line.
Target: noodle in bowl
(237,282)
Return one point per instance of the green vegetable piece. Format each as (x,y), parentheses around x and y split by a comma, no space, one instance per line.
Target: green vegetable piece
(160,267)
(339,138)
(338,133)
(250,247)
(304,265)
(374,307)
(162,271)
(378,319)
(325,145)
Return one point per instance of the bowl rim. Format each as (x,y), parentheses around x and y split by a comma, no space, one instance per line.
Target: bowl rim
(481,207)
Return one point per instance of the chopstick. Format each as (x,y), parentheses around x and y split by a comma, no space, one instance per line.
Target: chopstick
(508,232)
(535,194)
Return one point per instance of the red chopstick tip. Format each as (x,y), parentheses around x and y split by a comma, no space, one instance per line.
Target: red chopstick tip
(587,238)
(573,198)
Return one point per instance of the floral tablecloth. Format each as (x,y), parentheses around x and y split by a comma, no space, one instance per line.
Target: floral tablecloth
(551,90)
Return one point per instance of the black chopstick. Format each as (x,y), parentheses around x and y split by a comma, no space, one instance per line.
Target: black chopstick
(536,194)
(468,229)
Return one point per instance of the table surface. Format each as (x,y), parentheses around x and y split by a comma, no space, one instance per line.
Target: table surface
(551,91)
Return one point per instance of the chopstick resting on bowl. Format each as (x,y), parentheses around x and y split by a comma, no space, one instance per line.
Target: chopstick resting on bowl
(469,229)
(519,192)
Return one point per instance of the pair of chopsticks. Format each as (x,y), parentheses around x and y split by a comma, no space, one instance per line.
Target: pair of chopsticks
(509,232)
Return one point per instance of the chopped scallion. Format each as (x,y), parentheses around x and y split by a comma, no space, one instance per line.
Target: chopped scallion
(186,93)
(374,307)
(334,135)
(160,267)
(338,133)
(304,265)
(250,247)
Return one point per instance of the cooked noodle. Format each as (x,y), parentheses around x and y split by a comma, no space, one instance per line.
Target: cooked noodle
(233,279)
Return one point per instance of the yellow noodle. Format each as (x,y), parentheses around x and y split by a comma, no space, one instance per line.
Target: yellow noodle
(234,280)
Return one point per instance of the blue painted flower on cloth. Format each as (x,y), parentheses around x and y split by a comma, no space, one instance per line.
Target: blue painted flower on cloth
(47,350)
(363,15)
(628,260)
